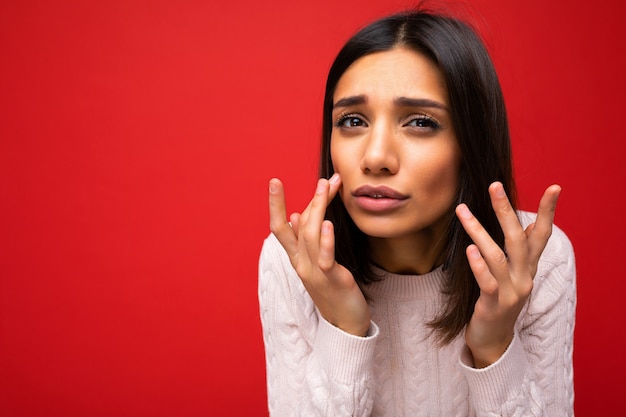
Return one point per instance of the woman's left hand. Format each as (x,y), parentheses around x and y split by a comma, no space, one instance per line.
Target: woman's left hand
(505,282)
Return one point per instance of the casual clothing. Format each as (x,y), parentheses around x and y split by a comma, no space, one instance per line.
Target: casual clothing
(316,369)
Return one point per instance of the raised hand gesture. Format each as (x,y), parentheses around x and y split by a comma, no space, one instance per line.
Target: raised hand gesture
(505,277)
(310,243)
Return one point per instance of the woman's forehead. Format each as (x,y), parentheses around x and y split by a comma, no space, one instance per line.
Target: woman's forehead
(386,75)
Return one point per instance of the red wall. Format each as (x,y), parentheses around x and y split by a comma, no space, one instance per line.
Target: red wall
(136,141)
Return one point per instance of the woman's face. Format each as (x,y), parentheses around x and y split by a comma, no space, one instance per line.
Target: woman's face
(394,146)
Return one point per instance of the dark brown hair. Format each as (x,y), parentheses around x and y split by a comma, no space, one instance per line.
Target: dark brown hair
(479,120)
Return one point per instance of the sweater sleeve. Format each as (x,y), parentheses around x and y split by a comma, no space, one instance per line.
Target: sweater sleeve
(534,377)
(312,367)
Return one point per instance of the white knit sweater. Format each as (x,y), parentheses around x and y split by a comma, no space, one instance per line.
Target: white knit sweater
(315,369)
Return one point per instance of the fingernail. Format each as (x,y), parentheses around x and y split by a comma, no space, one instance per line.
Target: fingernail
(320,186)
(334,179)
(273,187)
(325,228)
(464,211)
(500,191)
(473,252)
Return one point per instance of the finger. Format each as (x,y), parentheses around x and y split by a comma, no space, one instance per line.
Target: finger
(326,259)
(327,262)
(335,183)
(311,229)
(486,282)
(541,231)
(324,193)
(278,217)
(493,255)
(294,219)
(514,237)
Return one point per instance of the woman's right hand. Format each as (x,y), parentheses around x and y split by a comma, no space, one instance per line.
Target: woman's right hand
(310,243)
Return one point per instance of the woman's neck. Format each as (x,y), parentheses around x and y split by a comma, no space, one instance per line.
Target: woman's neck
(410,255)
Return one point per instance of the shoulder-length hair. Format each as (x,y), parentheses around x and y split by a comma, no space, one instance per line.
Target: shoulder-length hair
(480,123)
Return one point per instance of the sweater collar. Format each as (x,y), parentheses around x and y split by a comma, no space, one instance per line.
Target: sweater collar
(405,287)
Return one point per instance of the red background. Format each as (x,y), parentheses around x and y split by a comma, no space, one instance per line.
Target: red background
(136,142)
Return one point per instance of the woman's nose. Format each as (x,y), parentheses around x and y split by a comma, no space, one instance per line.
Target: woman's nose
(380,153)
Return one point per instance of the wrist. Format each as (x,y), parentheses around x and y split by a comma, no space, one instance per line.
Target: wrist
(360,329)
(487,355)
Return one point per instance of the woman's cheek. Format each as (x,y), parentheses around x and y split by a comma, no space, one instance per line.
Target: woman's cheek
(443,178)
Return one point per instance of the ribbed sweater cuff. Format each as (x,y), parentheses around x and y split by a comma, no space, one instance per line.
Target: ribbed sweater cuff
(494,385)
(343,356)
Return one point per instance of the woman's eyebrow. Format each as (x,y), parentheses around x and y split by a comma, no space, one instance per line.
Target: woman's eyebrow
(400,101)
(350,101)
(419,102)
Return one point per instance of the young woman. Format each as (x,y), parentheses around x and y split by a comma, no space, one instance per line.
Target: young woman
(410,285)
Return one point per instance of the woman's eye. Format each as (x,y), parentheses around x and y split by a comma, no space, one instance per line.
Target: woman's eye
(424,122)
(350,121)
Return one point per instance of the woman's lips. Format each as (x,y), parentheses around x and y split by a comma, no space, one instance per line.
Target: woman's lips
(378,199)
